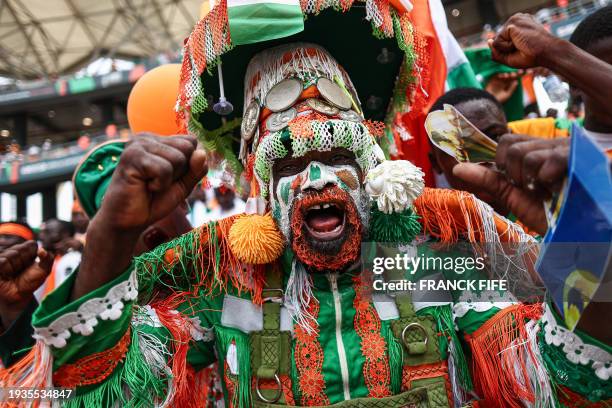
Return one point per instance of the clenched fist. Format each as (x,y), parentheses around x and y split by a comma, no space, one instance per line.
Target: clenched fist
(20,275)
(154,175)
(521,42)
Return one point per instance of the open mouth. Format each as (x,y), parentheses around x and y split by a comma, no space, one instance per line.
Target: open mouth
(325,221)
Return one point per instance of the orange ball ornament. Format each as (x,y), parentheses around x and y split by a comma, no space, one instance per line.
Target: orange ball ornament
(151,103)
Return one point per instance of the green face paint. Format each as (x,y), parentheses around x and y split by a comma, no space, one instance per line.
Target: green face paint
(314,173)
(276,212)
(285,192)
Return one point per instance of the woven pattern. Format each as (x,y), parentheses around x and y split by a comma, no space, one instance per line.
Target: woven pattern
(326,135)
(231,385)
(272,385)
(92,369)
(211,38)
(439,369)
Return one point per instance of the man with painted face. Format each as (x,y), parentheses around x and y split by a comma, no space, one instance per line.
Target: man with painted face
(279,295)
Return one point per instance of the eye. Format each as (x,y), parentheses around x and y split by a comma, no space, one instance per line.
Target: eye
(289,168)
(340,158)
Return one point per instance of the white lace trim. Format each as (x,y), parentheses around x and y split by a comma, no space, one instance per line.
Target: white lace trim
(83,321)
(482,302)
(576,351)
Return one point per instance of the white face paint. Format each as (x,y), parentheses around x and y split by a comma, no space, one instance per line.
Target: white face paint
(316,176)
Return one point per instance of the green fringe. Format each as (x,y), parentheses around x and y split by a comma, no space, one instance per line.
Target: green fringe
(134,376)
(153,272)
(224,337)
(396,357)
(446,324)
(399,228)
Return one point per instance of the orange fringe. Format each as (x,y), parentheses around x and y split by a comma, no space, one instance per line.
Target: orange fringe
(178,325)
(446,214)
(493,378)
(32,371)
(452,214)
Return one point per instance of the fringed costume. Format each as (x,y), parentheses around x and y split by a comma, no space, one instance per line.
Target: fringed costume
(290,326)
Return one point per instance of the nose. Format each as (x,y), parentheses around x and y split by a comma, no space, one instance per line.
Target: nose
(317,177)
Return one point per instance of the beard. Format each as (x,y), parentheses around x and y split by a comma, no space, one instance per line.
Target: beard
(327,227)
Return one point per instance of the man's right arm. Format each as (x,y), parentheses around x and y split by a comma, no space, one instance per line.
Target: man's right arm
(153,176)
(525,43)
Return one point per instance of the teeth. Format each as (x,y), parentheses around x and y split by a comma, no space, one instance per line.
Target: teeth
(326,205)
(316,207)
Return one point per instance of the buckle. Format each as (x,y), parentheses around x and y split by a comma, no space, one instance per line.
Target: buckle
(279,391)
(274,295)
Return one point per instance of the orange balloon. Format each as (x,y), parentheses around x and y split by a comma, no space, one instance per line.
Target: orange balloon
(150,106)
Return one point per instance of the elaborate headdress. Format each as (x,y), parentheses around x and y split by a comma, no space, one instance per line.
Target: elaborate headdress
(373,40)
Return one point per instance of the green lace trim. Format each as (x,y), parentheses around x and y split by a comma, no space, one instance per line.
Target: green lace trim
(578,378)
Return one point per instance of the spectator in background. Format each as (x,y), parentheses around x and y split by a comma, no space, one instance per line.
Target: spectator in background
(13,233)
(57,238)
(593,35)
(80,222)
(46,146)
(84,142)
(552,113)
(227,203)
(198,210)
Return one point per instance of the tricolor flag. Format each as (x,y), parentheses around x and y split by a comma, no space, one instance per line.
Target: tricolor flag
(448,69)
(252,21)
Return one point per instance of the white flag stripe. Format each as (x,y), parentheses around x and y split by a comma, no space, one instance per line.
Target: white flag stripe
(236,3)
(452,50)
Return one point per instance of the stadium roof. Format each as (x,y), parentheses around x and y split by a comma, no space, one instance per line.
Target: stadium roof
(47,38)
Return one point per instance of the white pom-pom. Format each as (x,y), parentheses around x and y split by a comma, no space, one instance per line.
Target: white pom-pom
(394,185)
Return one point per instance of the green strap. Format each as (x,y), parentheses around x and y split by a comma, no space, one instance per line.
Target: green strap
(415,333)
(404,304)
(403,300)
(270,336)
(272,295)
(271,347)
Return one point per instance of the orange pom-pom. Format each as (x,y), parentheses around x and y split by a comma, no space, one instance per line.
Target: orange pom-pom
(255,239)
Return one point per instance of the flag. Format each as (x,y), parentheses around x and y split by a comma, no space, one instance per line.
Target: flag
(252,21)
(459,72)
(448,68)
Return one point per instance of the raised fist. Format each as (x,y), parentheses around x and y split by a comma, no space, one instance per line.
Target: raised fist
(154,175)
(521,42)
(20,275)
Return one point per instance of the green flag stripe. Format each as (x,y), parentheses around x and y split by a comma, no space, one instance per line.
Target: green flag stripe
(254,23)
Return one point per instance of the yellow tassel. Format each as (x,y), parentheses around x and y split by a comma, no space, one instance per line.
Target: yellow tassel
(255,239)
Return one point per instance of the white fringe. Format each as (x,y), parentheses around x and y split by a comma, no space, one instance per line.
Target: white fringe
(460,398)
(538,378)
(298,296)
(508,259)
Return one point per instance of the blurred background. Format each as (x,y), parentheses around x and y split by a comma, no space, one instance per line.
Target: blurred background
(67,68)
